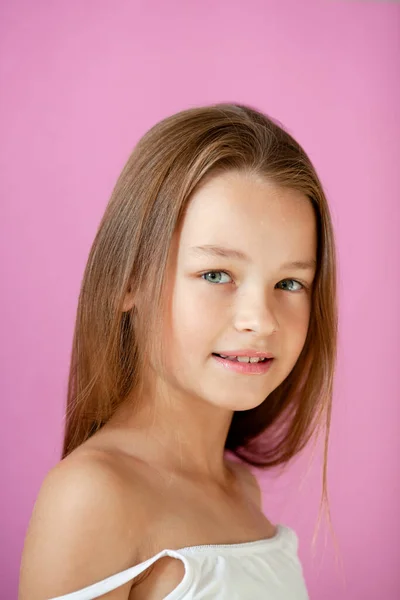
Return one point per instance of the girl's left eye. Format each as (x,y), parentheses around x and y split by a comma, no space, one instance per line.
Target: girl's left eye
(292,281)
(215,276)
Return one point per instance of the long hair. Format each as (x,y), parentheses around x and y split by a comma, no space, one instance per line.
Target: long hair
(130,252)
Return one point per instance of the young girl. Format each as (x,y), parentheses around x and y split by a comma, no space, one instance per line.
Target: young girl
(205,342)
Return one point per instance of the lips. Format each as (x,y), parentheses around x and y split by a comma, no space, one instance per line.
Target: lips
(244,367)
(250,352)
(244,358)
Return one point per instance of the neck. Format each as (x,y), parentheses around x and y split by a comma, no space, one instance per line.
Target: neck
(183,434)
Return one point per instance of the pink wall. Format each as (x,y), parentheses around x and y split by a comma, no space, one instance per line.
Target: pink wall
(81,81)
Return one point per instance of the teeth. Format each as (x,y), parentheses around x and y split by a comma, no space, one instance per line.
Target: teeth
(244,359)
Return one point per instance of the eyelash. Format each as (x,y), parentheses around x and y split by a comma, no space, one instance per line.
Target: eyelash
(303,285)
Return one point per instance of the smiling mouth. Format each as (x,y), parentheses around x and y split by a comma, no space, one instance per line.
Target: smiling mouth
(243,359)
(244,365)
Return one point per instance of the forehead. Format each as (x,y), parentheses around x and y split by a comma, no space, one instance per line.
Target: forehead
(250,213)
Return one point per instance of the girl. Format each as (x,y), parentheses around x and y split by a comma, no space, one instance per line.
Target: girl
(205,342)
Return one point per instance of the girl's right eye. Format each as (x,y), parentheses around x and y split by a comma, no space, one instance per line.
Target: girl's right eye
(215,276)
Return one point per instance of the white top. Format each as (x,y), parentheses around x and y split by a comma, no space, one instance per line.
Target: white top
(264,569)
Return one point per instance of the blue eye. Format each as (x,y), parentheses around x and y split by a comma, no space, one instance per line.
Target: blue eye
(214,276)
(293,280)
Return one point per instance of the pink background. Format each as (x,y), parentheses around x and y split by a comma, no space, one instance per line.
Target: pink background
(81,82)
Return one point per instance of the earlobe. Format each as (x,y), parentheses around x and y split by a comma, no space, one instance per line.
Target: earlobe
(128,302)
(127,305)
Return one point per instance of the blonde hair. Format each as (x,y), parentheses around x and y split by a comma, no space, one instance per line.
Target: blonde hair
(130,252)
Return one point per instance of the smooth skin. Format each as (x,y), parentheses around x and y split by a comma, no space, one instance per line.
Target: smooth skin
(159,478)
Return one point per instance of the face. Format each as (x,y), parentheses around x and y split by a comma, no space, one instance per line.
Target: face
(245,297)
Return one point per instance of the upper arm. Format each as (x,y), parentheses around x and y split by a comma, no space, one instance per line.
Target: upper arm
(77,534)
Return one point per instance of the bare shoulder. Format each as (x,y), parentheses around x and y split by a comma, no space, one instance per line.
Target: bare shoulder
(248,480)
(78,533)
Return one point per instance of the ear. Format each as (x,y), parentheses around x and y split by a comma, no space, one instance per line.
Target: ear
(129,300)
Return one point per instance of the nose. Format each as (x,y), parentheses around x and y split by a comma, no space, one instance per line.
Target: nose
(255,314)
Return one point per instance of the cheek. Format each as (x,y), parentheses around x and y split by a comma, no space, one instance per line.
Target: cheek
(295,326)
(193,319)
(196,304)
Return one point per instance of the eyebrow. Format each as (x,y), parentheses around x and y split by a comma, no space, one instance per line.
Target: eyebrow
(221,252)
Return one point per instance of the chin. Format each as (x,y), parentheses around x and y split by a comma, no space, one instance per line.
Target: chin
(235,403)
